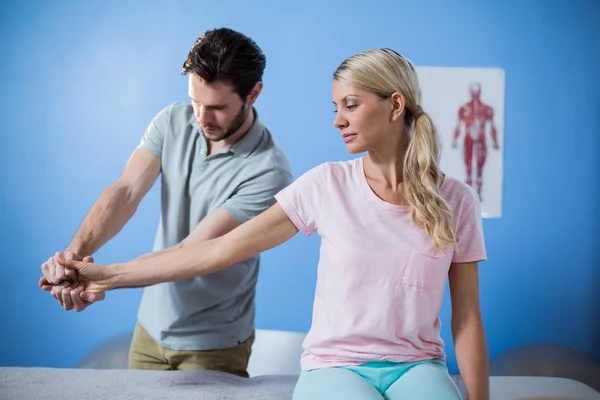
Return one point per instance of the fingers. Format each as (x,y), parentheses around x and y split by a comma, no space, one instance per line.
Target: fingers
(61,279)
(93,297)
(66,297)
(71,273)
(73,264)
(57,291)
(58,271)
(44,284)
(48,274)
(96,276)
(55,272)
(74,297)
(78,303)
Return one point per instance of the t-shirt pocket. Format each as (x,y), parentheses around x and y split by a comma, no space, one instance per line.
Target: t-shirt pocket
(427,269)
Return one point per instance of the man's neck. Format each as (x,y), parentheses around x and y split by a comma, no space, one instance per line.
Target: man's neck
(214,147)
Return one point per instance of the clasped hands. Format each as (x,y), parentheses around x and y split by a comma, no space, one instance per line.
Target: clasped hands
(74,281)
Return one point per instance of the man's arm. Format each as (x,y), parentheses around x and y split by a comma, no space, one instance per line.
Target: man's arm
(115,206)
(215,224)
(252,198)
(110,213)
(256,196)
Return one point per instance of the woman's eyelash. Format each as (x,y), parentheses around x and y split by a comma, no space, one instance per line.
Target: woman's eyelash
(349,107)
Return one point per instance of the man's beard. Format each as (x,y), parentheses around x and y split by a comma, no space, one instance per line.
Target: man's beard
(235,125)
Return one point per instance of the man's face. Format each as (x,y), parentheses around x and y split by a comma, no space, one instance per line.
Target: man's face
(219,110)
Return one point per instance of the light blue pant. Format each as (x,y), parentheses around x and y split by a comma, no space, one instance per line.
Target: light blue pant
(423,380)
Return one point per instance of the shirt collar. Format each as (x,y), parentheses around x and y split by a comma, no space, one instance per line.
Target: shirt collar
(246,144)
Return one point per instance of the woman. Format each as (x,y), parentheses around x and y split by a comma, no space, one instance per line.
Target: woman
(392,228)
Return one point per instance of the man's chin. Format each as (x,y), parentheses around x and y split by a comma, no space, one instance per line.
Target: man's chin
(214,137)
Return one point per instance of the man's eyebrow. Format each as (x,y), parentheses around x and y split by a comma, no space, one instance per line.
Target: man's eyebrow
(210,105)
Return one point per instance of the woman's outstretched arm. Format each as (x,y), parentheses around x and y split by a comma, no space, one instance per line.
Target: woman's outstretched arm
(267,230)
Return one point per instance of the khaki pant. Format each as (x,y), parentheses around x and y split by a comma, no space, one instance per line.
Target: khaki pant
(146,353)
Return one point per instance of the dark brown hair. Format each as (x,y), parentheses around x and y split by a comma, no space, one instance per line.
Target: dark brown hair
(224,55)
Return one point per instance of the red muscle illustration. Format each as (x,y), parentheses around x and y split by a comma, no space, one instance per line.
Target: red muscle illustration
(475,116)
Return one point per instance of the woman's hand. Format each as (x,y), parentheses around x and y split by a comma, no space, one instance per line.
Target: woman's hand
(97,277)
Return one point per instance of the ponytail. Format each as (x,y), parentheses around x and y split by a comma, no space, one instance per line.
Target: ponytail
(422,180)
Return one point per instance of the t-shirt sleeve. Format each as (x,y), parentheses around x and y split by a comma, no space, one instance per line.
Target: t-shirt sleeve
(469,232)
(257,194)
(303,199)
(154,136)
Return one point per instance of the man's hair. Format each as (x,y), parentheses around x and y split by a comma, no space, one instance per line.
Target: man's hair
(224,55)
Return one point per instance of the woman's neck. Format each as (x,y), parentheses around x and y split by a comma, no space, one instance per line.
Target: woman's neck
(386,165)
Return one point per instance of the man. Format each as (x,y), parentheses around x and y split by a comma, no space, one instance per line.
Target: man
(219,167)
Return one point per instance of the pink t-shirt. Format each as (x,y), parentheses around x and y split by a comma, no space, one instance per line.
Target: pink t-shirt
(380,281)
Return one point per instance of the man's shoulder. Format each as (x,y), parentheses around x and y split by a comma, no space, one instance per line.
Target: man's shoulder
(179,113)
(269,154)
(174,121)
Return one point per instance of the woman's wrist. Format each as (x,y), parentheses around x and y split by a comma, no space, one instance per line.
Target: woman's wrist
(116,276)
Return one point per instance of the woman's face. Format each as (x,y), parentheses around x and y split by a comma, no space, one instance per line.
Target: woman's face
(364,119)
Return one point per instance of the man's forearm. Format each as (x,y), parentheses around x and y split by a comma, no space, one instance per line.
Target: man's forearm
(472,358)
(104,220)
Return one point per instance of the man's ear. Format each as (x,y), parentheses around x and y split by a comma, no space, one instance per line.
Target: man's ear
(254,93)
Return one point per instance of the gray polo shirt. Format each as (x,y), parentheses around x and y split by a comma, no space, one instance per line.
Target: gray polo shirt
(214,311)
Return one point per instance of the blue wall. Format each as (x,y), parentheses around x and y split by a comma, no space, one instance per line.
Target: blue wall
(79,82)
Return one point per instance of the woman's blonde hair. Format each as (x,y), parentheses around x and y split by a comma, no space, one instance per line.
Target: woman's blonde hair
(384,72)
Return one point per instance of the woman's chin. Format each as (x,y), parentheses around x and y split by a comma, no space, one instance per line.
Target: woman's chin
(355,148)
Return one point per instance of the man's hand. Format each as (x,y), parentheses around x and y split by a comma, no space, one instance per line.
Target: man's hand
(96,277)
(67,289)
(55,273)
(76,298)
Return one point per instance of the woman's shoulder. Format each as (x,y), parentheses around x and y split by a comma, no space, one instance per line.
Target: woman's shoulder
(334,169)
(457,192)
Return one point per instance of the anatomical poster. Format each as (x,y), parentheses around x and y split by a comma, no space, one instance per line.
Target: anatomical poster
(467,107)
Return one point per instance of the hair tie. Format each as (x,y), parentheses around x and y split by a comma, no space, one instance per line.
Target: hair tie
(417,111)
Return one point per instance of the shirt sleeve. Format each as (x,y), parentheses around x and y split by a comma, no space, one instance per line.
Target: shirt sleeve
(469,232)
(257,194)
(154,136)
(303,199)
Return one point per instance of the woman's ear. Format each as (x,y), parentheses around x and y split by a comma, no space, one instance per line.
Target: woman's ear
(398,106)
